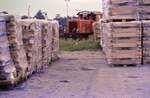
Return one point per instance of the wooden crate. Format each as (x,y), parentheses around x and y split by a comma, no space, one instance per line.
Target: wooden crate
(122,34)
(144,12)
(124,53)
(123,43)
(123,29)
(120,9)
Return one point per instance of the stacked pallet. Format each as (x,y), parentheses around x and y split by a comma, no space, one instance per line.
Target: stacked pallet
(46,43)
(7,66)
(123,43)
(120,9)
(124,33)
(146,41)
(126,9)
(55,40)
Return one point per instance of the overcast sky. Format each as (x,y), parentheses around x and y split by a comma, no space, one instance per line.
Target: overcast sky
(53,7)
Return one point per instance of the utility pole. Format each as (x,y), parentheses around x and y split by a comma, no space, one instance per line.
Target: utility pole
(29,10)
(67,6)
(29,7)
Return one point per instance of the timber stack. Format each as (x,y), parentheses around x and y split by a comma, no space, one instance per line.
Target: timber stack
(125,31)
(26,47)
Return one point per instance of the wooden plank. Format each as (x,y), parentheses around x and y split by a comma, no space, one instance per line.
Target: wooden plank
(135,61)
(123,54)
(121,1)
(122,10)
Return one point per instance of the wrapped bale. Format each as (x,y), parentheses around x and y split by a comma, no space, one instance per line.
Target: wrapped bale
(121,9)
(17,50)
(46,43)
(55,40)
(146,42)
(123,43)
(32,42)
(7,66)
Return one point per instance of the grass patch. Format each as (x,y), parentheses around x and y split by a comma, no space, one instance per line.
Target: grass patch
(78,45)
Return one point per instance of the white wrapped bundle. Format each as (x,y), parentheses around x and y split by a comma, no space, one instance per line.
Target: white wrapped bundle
(17,51)
(7,67)
(32,43)
(55,40)
(46,42)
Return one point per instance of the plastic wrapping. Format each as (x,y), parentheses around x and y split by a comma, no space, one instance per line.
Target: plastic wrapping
(55,40)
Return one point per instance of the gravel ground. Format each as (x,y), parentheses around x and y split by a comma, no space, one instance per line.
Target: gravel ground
(84,74)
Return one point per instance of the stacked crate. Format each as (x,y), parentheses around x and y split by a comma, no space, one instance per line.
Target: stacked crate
(145,18)
(123,43)
(144,6)
(122,32)
(7,66)
(121,9)
(55,40)
(16,47)
(46,43)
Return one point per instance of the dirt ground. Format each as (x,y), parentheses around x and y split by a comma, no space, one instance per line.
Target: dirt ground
(84,74)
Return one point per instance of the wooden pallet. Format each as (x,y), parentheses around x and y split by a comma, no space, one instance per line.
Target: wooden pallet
(120,10)
(124,62)
(120,54)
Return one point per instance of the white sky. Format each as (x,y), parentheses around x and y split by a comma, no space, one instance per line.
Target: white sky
(53,7)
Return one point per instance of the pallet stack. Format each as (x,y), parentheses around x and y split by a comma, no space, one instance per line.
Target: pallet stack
(145,18)
(120,9)
(123,43)
(122,32)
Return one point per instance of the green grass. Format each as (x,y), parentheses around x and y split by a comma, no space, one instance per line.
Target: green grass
(78,45)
